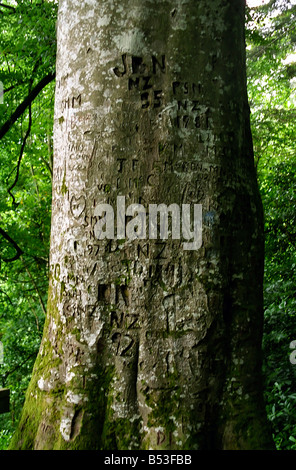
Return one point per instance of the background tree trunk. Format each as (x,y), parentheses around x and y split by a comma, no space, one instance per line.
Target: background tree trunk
(146,345)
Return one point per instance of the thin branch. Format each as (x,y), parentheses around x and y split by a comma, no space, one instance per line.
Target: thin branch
(12,87)
(21,155)
(43,307)
(9,89)
(7,6)
(9,299)
(19,251)
(27,102)
(18,366)
(48,165)
(34,313)
(35,180)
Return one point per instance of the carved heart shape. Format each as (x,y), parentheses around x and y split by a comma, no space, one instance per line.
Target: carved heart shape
(77,206)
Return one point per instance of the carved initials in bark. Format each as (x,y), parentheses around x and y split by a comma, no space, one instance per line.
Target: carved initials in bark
(77,206)
(123,344)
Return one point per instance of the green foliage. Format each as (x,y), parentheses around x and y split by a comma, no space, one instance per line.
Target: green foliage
(27,55)
(271,39)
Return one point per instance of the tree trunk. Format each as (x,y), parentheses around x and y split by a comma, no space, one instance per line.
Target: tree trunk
(148,345)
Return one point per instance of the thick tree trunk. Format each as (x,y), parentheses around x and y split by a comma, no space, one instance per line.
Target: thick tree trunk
(148,345)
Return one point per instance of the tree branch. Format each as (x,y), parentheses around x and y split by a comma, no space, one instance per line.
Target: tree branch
(27,102)
(6,295)
(19,251)
(18,366)
(43,307)
(21,155)
(6,90)
(7,6)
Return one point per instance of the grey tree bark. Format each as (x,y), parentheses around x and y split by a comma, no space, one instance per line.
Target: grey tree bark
(147,345)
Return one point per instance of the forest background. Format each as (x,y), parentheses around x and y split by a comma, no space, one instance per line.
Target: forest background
(27,85)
